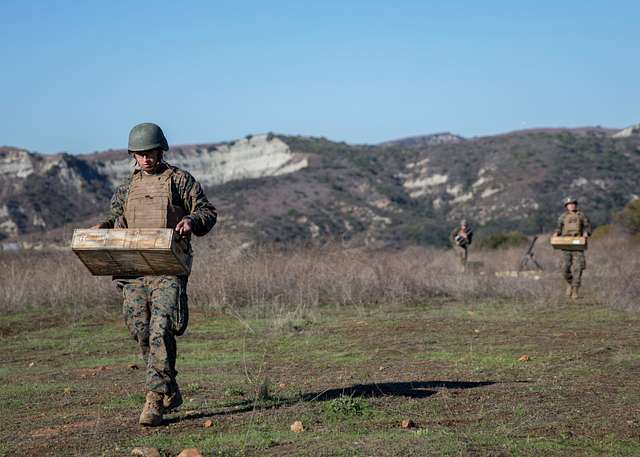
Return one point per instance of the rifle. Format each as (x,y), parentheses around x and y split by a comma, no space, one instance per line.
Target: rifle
(528,259)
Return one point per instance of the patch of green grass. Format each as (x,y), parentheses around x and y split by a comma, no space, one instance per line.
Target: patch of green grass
(345,407)
(15,397)
(215,442)
(477,361)
(27,391)
(92,362)
(210,344)
(583,446)
(5,372)
(624,356)
(318,350)
(67,346)
(223,327)
(192,388)
(490,311)
(234,391)
(579,380)
(5,450)
(442,439)
(128,402)
(211,359)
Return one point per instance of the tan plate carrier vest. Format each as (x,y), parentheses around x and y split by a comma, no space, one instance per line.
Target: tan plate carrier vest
(572,224)
(149,203)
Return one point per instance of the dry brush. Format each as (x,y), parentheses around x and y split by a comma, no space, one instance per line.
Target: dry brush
(275,282)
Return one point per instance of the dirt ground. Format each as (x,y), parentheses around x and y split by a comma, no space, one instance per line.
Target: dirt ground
(484,379)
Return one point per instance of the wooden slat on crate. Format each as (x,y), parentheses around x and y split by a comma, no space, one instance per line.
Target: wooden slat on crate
(131,252)
(569,243)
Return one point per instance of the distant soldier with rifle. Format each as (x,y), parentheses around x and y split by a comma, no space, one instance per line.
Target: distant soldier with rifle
(573,223)
(158,195)
(461,237)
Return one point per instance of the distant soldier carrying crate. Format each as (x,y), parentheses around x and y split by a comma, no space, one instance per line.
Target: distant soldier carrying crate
(461,238)
(573,223)
(158,195)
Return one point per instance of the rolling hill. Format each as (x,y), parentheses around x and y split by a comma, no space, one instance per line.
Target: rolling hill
(280,188)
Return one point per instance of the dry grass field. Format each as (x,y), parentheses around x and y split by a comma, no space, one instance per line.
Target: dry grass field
(275,283)
(350,342)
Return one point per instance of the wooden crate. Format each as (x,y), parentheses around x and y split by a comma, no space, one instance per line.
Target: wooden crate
(131,252)
(569,243)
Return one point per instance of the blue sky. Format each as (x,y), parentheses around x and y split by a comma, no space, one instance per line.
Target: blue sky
(76,76)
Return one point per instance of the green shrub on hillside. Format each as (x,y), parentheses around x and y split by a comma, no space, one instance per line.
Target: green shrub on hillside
(603,231)
(629,217)
(424,232)
(503,240)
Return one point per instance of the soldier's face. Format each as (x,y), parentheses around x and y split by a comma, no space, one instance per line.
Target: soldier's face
(148,160)
(571,207)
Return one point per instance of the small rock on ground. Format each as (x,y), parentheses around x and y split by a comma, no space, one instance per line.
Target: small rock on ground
(297,427)
(408,423)
(145,452)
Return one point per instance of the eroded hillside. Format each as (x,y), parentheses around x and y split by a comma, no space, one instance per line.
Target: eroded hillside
(292,188)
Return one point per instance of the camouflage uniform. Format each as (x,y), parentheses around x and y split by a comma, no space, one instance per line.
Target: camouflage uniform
(461,249)
(574,262)
(155,307)
(155,311)
(186,193)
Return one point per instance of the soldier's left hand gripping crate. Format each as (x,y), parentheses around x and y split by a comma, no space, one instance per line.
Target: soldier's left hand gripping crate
(132,252)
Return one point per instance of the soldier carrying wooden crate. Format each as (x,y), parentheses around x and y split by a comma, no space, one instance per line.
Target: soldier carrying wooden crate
(158,195)
(573,223)
(461,237)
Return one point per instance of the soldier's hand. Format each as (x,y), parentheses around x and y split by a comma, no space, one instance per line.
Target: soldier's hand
(184,227)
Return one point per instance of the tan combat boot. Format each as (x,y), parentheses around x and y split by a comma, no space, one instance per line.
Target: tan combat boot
(172,401)
(574,293)
(152,411)
(569,290)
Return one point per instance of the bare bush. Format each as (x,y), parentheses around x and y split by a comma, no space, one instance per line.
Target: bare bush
(52,280)
(613,268)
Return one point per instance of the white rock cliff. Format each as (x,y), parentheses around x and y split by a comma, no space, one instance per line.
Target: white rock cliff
(252,157)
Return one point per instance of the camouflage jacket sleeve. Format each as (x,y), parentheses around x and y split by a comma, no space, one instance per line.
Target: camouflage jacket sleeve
(201,212)
(586,224)
(560,224)
(117,206)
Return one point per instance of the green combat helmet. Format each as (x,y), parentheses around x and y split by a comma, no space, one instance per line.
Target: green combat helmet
(568,200)
(145,137)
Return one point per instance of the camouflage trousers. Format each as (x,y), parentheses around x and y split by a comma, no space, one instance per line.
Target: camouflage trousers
(462,254)
(574,263)
(155,311)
